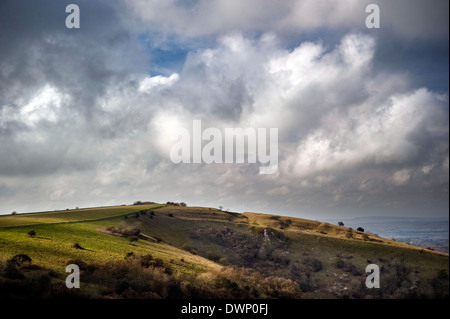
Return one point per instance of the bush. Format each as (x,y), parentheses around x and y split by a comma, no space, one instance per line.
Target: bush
(339,263)
(146,260)
(122,286)
(365,237)
(313,264)
(213,257)
(341,224)
(127,230)
(31,233)
(19,260)
(12,272)
(130,255)
(158,239)
(132,239)
(77,246)
(360,229)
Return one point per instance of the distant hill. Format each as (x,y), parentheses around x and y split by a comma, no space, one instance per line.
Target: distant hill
(169,251)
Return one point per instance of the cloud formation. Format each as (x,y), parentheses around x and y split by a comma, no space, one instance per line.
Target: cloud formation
(82,122)
(406,18)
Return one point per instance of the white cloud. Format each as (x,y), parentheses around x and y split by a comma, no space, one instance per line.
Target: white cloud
(45,105)
(158,81)
(348,133)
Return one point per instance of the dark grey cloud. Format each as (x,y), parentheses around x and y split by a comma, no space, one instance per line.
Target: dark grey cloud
(78,66)
(405,18)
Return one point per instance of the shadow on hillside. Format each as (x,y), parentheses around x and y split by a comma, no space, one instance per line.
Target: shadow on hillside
(46,238)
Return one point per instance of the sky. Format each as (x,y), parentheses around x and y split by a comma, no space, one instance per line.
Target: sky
(362,114)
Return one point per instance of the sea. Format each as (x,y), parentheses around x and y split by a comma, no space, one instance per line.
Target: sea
(427,233)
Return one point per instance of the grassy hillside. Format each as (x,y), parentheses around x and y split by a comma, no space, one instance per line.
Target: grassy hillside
(164,251)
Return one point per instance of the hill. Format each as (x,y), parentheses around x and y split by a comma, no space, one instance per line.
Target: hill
(168,251)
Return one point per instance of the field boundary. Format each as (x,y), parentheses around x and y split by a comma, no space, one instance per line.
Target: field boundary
(80,221)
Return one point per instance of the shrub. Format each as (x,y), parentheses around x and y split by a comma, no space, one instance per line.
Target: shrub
(350,268)
(341,224)
(122,285)
(349,234)
(19,260)
(127,230)
(313,264)
(132,239)
(339,263)
(130,255)
(213,256)
(360,229)
(365,237)
(31,233)
(77,246)
(158,239)
(170,215)
(146,260)
(158,263)
(12,272)
(189,249)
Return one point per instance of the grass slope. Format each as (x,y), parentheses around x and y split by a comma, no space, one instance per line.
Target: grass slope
(248,254)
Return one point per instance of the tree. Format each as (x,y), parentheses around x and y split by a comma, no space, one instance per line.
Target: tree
(220,207)
(183,204)
(360,229)
(14,213)
(31,233)
(341,224)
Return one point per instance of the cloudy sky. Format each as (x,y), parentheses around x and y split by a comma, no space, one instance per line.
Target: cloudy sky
(362,114)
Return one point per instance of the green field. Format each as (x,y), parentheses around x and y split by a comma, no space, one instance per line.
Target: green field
(85,214)
(204,252)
